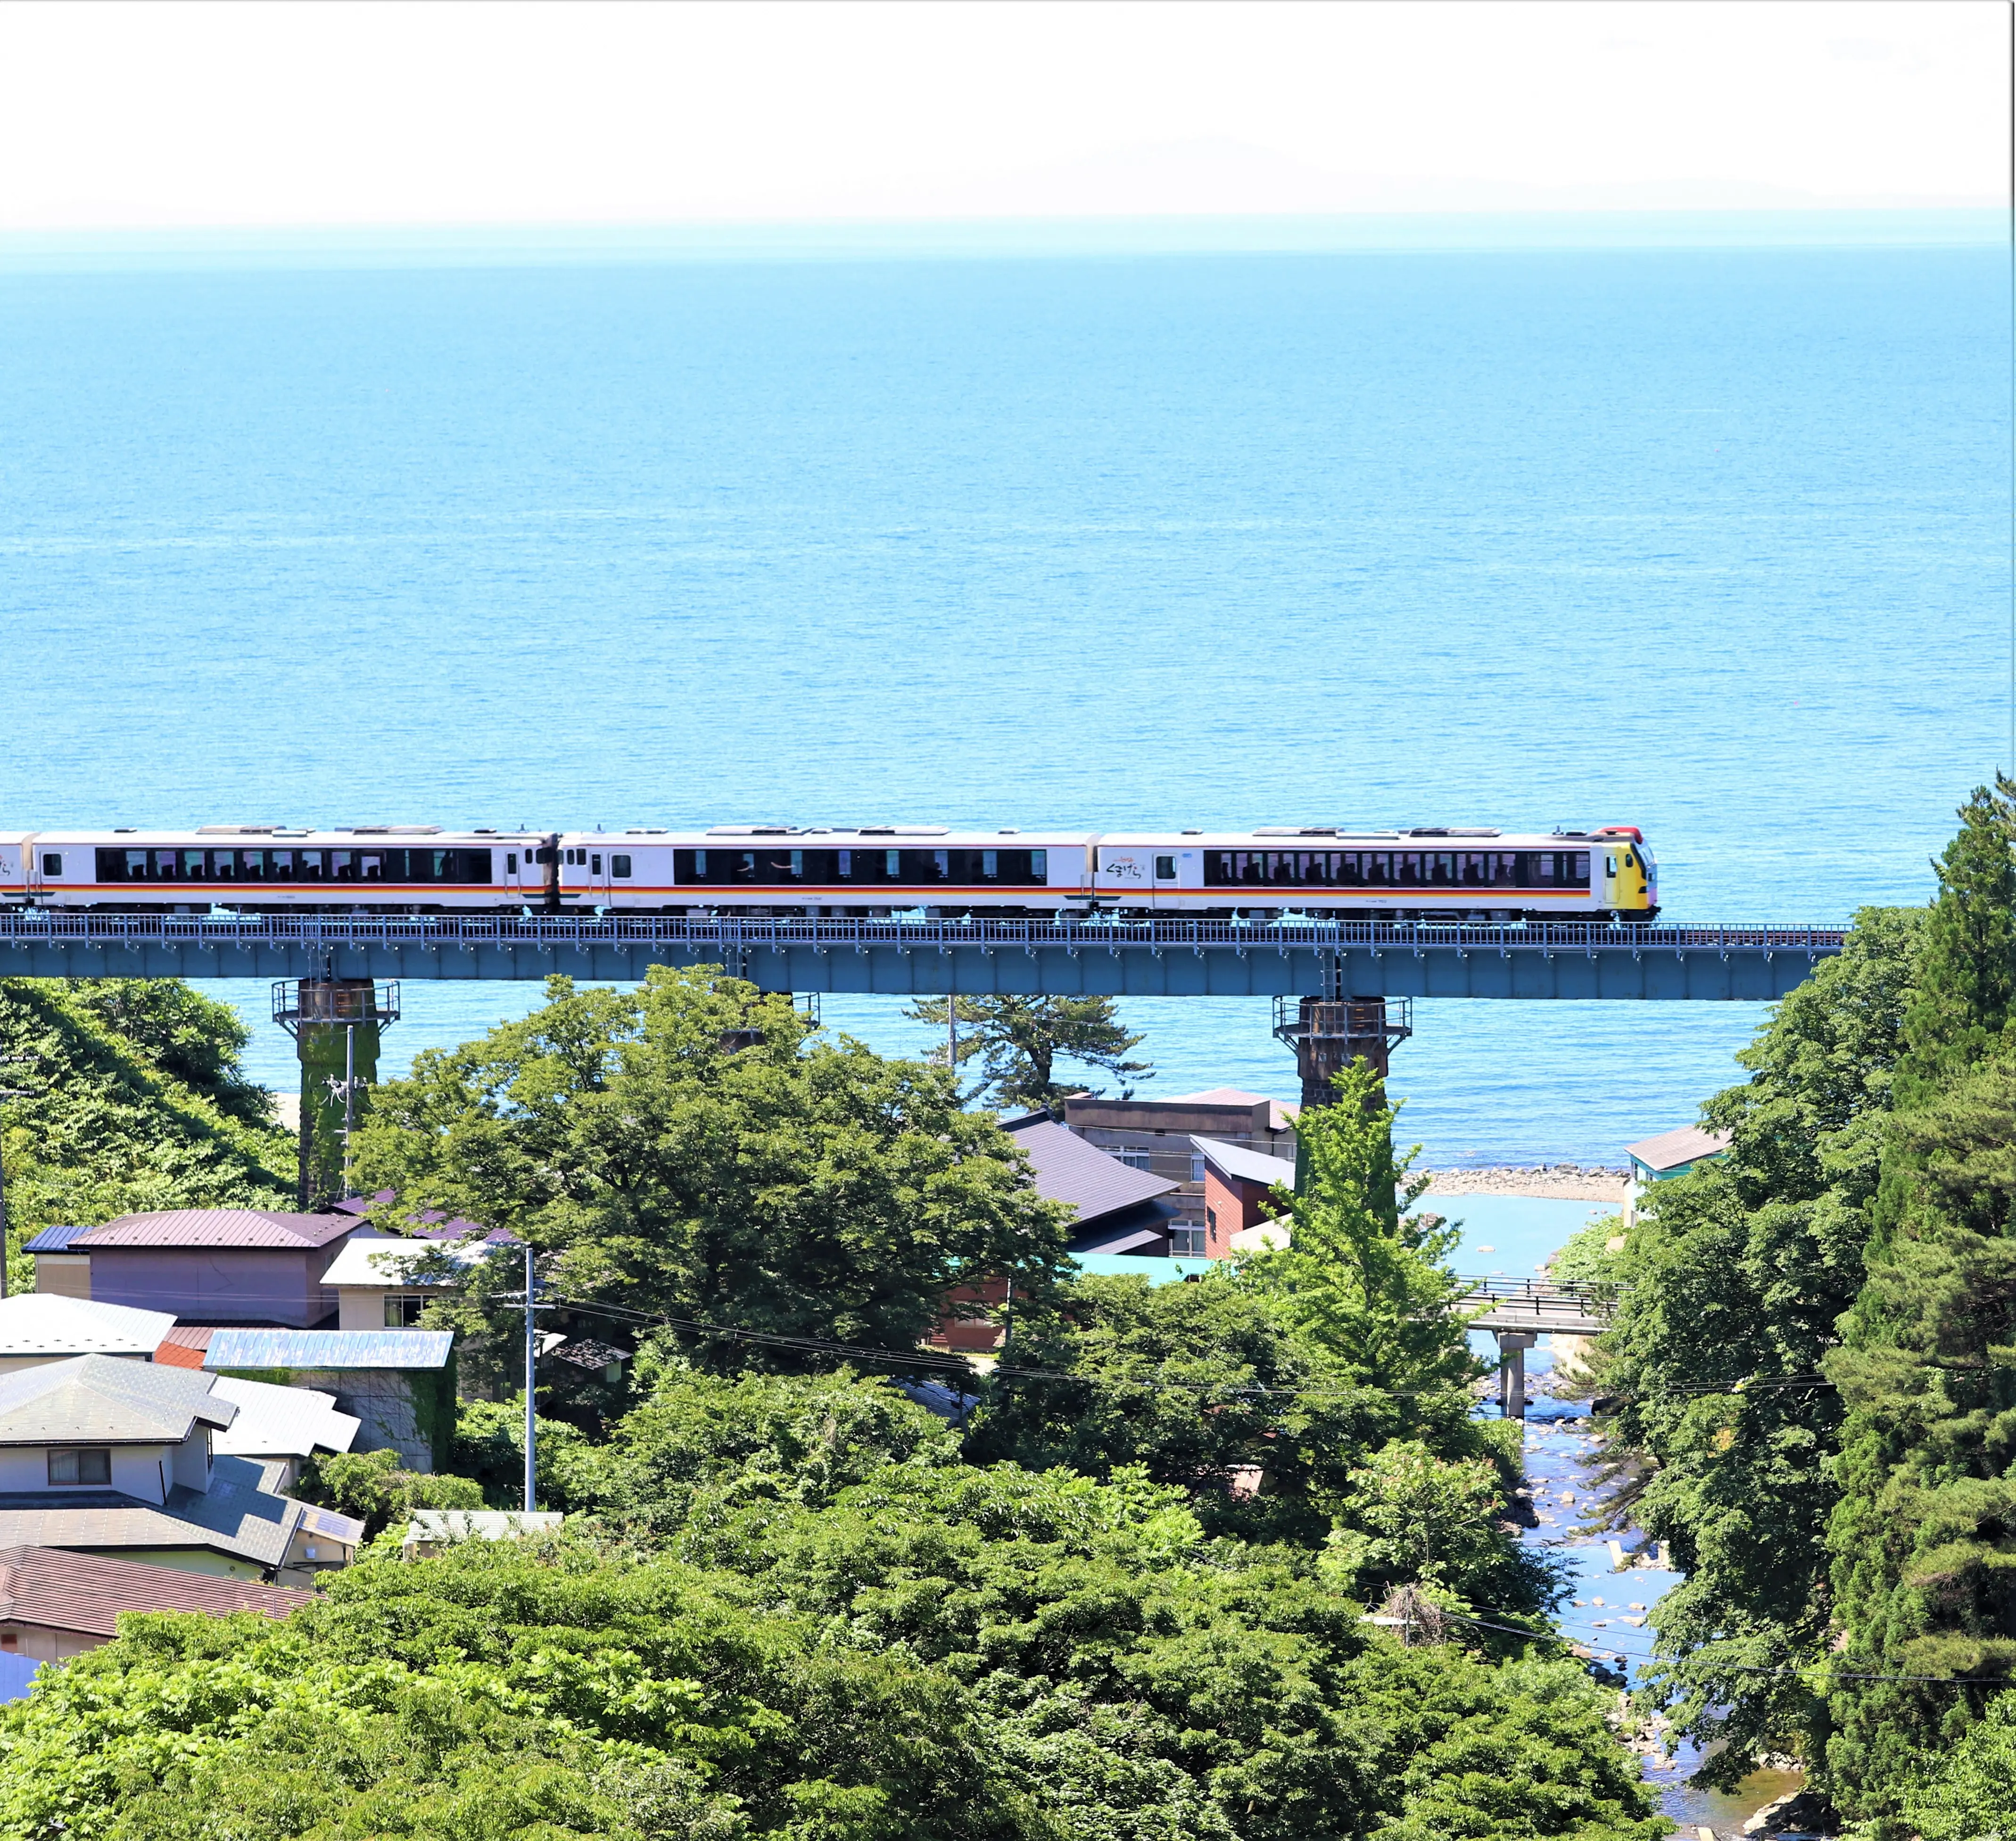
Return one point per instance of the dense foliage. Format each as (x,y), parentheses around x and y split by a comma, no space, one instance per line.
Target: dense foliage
(131,1097)
(1018,1042)
(693,1148)
(1816,1366)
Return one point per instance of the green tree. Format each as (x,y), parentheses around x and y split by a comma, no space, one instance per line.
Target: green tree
(1362,1278)
(1736,1276)
(1969,1793)
(695,1149)
(1967,981)
(377,1490)
(133,1099)
(1020,1040)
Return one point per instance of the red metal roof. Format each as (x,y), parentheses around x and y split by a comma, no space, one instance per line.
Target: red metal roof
(218,1227)
(85,1592)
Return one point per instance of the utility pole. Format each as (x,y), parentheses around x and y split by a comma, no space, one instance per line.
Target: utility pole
(532,1413)
(349,1099)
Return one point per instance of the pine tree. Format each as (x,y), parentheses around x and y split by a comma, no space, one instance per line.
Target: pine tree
(1019,1041)
(1923,1539)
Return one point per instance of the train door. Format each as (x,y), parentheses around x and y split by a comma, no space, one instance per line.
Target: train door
(520,873)
(599,863)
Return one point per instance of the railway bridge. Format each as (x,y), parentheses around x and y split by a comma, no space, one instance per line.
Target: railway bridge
(1519,1311)
(1341,989)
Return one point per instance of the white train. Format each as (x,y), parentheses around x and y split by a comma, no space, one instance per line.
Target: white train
(865,870)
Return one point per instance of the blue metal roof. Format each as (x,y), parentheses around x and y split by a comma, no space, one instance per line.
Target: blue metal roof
(328,1349)
(17,1676)
(56,1240)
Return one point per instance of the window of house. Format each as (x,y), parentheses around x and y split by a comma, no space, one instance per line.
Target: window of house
(402,1310)
(86,1466)
(1188,1241)
(1196,1166)
(1135,1157)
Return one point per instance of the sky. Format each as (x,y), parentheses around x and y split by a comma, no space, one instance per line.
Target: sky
(167,115)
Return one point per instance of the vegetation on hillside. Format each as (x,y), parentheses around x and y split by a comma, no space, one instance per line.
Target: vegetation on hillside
(1816,1363)
(131,1097)
(1123,1596)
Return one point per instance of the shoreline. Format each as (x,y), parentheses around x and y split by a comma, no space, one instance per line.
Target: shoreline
(1561,1182)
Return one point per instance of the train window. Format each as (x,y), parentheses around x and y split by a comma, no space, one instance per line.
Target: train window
(1165,869)
(510,863)
(1039,865)
(619,865)
(52,862)
(1609,866)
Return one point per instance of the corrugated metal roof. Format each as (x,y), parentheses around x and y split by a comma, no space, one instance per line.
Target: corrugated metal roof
(55,1240)
(1248,1166)
(218,1227)
(1082,1176)
(330,1349)
(281,1421)
(44,1323)
(87,1592)
(1674,1149)
(100,1400)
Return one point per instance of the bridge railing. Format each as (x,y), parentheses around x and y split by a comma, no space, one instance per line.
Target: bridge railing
(54,926)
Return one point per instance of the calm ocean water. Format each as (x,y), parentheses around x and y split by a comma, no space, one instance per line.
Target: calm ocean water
(1717,542)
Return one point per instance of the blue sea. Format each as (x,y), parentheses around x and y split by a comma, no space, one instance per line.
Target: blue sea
(1715,540)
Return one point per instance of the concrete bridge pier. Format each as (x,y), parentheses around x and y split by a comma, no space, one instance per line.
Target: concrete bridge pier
(1512,1347)
(337,1025)
(1329,1033)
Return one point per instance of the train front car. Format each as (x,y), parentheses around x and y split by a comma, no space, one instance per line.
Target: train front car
(1429,873)
(1629,877)
(276,869)
(861,872)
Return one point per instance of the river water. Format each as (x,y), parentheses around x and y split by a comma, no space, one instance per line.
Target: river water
(1711,539)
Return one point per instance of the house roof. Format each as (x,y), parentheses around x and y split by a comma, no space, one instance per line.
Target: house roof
(385,1261)
(55,1240)
(429,1223)
(1082,1176)
(235,1517)
(280,1421)
(43,1323)
(328,1349)
(1280,1112)
(87,1592)
(218,1227)
(1246,1166)
(100,1400)
(1675,1150)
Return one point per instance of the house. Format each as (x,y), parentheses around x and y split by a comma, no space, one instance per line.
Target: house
(1671,1154)
(377,1285)
(399,1384)
(1155,1135)
(36,1327)
(1239,1186)
(1116,1207)
(433,1528)
(55,1604)
(278,1429)
(59,1272)
(250,1266)
(102,1455)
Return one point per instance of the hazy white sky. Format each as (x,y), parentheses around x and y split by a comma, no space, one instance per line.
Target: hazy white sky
(166,114)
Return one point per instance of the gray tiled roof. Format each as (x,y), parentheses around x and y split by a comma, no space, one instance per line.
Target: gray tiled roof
(100,1400)
(218,1227)
(1082,1176)
(233,1518)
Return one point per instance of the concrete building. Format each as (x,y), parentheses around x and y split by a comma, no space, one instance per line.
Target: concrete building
(55,1604)
(398,1384)
(36,1327)
(102,1455)
(219,1265)
(1154,1135)
(1239,1186)
(379,1284)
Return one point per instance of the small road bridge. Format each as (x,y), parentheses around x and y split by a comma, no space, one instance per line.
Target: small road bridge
(1518,1311)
